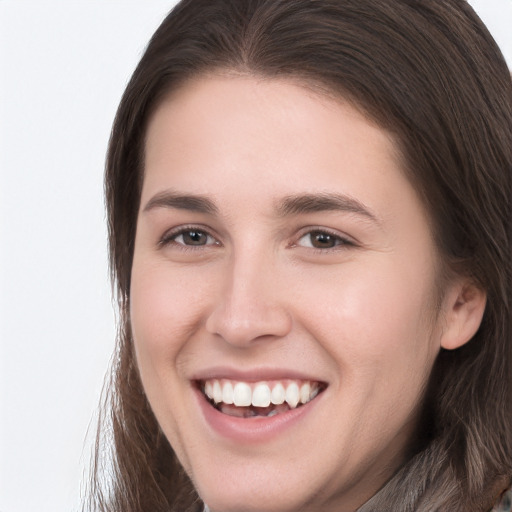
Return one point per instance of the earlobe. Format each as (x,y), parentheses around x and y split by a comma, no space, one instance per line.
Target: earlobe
(464,310)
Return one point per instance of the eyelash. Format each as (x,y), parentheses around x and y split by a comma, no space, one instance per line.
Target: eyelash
(341,242)
(169,238)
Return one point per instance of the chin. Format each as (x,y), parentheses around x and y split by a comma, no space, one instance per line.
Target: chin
(235,499)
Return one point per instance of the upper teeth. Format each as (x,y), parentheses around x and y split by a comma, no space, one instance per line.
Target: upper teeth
(260,394)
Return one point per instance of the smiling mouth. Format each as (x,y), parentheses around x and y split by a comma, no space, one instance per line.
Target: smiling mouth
(255,399)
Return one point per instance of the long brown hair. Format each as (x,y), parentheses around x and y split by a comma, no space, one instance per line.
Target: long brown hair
(429,72)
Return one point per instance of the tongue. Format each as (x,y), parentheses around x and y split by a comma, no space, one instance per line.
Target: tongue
(251,411)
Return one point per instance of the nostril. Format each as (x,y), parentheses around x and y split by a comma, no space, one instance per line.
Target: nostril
(243,327)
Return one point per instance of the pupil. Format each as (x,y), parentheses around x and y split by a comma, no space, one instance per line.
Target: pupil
(194,238)
(322,240)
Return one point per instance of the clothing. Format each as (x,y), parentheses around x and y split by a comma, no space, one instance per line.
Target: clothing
(505,505)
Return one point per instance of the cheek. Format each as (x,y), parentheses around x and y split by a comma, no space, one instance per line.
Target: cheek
(376,321)
(166,309)
(380,337)
(165,312)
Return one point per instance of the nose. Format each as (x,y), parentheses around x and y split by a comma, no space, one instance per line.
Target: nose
(251,307)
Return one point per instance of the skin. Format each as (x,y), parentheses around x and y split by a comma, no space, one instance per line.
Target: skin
(357,313)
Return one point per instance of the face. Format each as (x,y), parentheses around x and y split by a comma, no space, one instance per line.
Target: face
(282,295)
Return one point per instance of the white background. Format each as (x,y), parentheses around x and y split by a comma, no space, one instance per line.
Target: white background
(63,67)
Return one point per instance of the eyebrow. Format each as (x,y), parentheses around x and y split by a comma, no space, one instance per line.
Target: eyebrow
(190,202)
(312,203)
(288,206)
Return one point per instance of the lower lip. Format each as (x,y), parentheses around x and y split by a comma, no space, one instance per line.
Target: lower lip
(255,429)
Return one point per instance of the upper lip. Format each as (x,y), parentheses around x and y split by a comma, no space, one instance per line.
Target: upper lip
(253,374)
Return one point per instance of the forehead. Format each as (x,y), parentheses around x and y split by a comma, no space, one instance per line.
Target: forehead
(271,125)
(238,89)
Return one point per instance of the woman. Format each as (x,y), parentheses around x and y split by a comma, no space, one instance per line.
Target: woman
(310,222)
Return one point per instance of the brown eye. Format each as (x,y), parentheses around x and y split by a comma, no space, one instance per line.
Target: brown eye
(321,240)
(192,237)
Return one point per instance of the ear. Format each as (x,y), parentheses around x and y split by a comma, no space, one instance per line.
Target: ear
(464,308)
